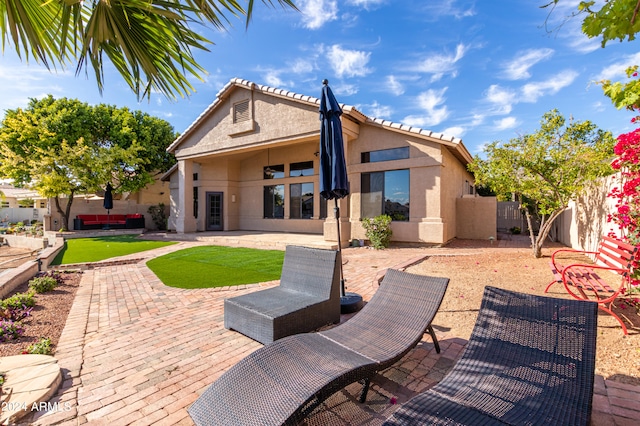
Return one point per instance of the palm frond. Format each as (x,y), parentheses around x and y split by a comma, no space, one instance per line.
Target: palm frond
(150,43)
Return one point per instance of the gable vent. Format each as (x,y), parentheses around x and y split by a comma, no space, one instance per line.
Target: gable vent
(241,111)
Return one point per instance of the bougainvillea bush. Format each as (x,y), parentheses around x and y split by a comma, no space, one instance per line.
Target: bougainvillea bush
(627,195)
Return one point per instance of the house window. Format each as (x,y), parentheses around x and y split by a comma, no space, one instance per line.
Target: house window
(323,208)
(384,155)
(274,202)
(273,172)
(304,168)
(386,193)
(4,204)
(241,111)
(301,200)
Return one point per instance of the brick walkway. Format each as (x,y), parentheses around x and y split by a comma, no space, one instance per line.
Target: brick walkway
(137,352)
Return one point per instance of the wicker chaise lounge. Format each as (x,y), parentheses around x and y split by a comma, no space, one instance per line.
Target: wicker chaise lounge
(307,298)
(284,381)
(530,361)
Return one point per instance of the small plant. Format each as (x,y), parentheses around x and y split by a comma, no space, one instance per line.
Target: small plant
(515,230)
(56,275)
(378,230)
(15,314)
(19,300)
(42,347)
(158,216)
(43,284)
(10,330)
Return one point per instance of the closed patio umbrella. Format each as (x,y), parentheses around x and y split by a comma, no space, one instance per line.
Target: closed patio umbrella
(108,201)
(333,175)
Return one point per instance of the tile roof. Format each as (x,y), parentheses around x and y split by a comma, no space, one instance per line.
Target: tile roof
(349,110)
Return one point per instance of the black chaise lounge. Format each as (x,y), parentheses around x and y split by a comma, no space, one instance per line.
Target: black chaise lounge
(284,381)
(307,298)
(530,361)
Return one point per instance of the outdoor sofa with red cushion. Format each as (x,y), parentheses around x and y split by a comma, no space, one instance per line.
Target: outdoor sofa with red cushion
(98,221)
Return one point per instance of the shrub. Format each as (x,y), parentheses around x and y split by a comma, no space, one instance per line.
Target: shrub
(43,284)
(10,330)
(19,300)
(378,230)
(158,216)
(42,347)
(57,275)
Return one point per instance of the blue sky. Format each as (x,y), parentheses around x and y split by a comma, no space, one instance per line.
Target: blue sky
(478,70)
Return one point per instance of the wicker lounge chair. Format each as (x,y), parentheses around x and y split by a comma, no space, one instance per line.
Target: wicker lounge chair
(307,298)
(530,361)
(284,381)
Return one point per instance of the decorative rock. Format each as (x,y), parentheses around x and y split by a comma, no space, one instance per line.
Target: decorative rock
(29,380)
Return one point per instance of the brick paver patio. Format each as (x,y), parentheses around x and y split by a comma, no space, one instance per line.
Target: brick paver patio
(137,352)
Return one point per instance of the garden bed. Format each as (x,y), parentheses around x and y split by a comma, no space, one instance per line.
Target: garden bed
(48,317)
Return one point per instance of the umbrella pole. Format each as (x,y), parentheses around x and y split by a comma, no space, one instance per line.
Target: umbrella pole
(336,211)
(349,302)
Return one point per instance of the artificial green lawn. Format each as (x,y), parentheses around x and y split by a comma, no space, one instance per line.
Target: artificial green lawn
(217,266)
(82,250)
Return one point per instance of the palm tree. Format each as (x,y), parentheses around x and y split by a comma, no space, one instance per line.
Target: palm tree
(149,42)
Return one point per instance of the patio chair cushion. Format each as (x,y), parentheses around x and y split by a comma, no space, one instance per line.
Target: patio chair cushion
(307,298)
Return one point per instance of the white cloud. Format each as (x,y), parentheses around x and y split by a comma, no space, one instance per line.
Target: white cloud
(579,42)
(599,106)
(562,24)
(345,89)
(28,82)
(440,9)
(616,71)
(455,131)
(434,114)
(376,110)
(349,63)
(518,67)
(366,4)
(394,85)
(531,92)
(440,64)
(272,78)
(316,13)
(502,99)
(477,119)
(301,66)
(505,123)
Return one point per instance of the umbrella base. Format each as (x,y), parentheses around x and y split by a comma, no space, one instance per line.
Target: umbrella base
(350,302)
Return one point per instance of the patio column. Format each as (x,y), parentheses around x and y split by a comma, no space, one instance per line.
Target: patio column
(185,220)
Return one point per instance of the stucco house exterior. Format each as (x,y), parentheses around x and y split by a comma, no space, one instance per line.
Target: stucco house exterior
(250,162)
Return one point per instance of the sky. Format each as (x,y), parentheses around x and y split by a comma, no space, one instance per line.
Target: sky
(481,71)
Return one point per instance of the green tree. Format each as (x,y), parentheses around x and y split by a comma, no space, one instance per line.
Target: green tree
(66,147)
(546,169)
(610,20)
(150,43)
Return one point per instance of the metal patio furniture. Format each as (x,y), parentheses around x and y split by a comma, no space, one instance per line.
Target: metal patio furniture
(613,257)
